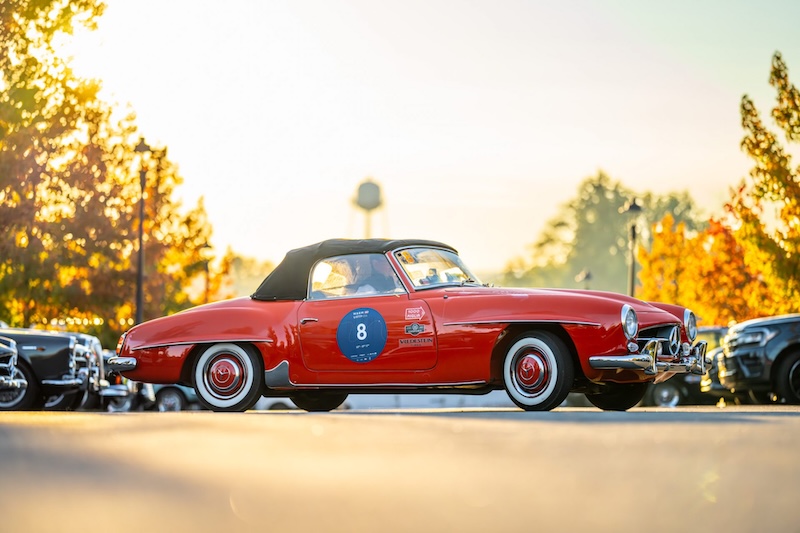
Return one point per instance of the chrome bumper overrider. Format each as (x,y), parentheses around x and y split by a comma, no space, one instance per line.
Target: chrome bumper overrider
(652,361)
(121,364)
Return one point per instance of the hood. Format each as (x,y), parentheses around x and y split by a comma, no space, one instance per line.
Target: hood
(568,305)
(765,321)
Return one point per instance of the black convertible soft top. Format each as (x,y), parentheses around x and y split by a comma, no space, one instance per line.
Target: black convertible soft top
(289,280)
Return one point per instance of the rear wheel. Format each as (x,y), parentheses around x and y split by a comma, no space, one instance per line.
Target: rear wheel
(318,401)
(618,396)
(787,379)
(22,399)
(170,400)
(538,371)
(228,377)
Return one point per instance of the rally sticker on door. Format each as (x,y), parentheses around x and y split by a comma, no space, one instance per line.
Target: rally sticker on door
(361,335)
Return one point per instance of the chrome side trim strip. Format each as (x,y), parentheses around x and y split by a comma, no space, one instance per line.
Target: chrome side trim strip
(485,322)
(189,343)
(387,385)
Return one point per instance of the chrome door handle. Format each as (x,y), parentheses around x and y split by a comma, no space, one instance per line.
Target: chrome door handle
(307,320)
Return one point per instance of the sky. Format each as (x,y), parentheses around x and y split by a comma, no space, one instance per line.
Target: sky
(477,118)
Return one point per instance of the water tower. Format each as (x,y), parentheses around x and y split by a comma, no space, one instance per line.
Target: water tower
(368,198)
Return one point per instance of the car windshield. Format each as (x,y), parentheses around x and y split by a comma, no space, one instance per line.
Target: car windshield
(434,267)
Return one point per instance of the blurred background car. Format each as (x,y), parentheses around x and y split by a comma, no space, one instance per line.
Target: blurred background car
(10,376)
(55,367)
(183,398)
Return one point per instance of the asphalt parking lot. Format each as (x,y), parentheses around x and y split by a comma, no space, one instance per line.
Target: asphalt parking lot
(572,469)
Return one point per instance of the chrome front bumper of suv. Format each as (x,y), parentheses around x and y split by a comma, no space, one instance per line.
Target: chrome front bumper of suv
(7,382)
(653,362)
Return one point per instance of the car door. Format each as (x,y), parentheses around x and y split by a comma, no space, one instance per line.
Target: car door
(376,333)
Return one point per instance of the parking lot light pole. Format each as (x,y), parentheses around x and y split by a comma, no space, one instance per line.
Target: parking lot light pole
(631,209)
(141,148)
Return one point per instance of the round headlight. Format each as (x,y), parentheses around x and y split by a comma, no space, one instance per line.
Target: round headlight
(630,322)
(690,323)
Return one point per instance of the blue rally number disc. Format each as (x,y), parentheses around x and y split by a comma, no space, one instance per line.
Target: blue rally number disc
(362,335)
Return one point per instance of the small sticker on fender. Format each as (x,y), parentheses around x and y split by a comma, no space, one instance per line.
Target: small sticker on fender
(425,341)
(415,329)
(415,313)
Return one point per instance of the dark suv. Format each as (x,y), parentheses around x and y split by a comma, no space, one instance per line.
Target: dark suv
(762,357)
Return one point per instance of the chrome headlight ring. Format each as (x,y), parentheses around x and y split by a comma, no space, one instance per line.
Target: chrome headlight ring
(630,322)
(690,323)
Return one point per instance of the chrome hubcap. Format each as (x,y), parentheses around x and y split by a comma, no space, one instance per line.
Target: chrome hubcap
(169,402)
(531,372)
(667,397)
(225,375)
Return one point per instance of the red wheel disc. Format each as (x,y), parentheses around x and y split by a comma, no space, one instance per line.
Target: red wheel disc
(532,372)
(226,375)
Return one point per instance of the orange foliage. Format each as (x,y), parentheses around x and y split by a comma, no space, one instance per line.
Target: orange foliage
(707,273)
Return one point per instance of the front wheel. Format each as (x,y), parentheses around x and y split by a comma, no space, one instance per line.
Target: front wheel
(228,377)
(63,402)
(538,371)
(22,399)
(787,379)
(318,401)
(618,396)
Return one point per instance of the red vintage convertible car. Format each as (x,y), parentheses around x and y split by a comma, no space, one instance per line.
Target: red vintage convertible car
(346,317)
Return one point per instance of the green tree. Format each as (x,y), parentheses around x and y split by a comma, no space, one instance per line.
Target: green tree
(591,235)
(69,189)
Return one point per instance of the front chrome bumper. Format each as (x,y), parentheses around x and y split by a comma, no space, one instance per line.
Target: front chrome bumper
(7,383)
(121,364)
(652,361)
(66,382)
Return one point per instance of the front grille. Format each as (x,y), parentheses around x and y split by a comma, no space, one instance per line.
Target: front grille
(668,336)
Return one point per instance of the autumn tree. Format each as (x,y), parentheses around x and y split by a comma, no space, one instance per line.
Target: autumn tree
(746,265)
(590,236)
(764,209)
(69,189)
(704,271)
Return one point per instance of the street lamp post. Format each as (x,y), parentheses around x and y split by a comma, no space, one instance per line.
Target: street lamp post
(632,209)
(141,148)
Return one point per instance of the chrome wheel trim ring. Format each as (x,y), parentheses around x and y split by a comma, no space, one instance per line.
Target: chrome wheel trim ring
(12,397)
(50,401)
